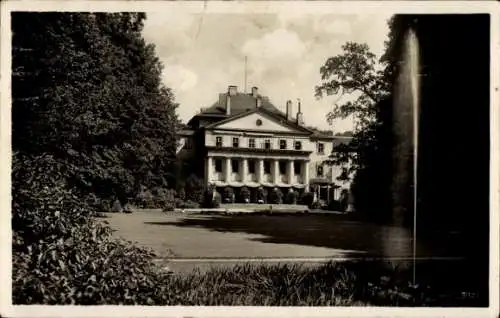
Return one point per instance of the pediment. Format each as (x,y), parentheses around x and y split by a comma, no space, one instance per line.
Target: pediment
(258,121)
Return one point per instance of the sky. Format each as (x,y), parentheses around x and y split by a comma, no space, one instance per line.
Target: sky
(204,53)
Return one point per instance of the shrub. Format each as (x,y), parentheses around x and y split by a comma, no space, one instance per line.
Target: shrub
(291,197)
(276,196)
(194,189)
(145,199)
(117,207)
(181,194)
(212,198)
(61,254)
(217,200)
(245,194)
(164,198)
(307,198)
(188,205)
(228,195)
(334,205)
(261,195)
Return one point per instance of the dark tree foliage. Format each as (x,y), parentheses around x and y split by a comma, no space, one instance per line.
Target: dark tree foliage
(367,158)
(90,119)
(86,88)
(454,147)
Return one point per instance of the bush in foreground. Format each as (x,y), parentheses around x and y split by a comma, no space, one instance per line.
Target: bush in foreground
(61,254)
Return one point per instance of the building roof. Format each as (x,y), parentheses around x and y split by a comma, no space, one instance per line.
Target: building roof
(245,103)
(240,103)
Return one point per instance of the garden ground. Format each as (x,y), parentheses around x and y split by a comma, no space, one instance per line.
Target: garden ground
(203,241)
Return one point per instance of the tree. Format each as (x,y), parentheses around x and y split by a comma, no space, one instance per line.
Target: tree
(86,88)
(366,159)
(89,116)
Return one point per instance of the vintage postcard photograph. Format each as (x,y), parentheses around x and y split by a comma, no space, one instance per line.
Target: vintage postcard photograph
(249,158)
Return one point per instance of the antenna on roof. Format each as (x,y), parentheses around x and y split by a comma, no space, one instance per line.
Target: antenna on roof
(245,87)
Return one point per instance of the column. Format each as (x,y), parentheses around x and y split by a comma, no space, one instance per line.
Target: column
(209,170)
(276,171)
(291,173)
(328,194)
(260,170)
(305,175)
(244,169)
(227,170)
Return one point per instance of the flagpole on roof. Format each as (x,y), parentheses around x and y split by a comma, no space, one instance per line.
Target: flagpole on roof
(245,87)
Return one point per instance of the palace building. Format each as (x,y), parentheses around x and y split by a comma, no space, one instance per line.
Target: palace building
(243,140)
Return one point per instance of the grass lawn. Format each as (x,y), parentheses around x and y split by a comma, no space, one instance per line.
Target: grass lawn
(177,237)
(267,236)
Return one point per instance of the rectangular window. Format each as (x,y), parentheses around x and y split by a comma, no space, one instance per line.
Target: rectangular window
(267,167)
(235,166)
(282,167)
(251,143)
(298,145)
(218,142)
(319,170)
(267,144)
(321,148)
(236,142)
(297,167)
(218,165)
(251,166)
(282,144)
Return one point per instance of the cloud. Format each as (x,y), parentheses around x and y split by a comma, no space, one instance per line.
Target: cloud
(278,44)
(179,77)
(338,27)
(287,18)
(171,31)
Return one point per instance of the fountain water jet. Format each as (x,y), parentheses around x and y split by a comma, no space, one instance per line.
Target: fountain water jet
(405,134)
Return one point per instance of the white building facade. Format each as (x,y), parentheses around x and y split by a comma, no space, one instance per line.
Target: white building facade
(244,141)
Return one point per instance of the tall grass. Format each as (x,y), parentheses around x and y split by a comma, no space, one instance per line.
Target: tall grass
(332,284)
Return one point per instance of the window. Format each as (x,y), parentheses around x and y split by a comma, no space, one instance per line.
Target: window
(218,165)
(251,166)
(267,167)
(267,144)
(218,142)
(188,144)
(236,142)
(319,170)
(282,167)
(235,166)
(282,144)
(297,167)
(321,147)
(251,143)
(298,145)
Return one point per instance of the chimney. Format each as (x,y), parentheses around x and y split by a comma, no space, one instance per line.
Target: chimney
(258,102)
(232,90)
(228,104)
(255,92)
(300,118)
(289,110)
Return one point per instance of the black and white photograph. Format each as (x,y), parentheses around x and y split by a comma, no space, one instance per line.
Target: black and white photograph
(309,156)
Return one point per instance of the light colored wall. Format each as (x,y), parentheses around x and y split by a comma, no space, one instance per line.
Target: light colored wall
(227,139)
(331,172)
